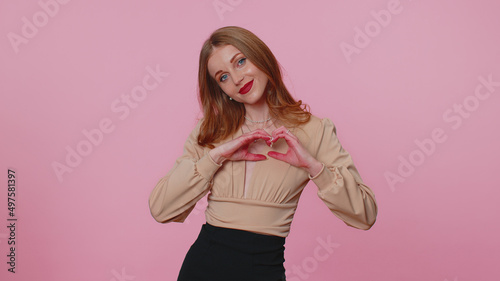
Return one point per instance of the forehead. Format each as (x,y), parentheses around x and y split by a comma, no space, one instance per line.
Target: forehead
(221,58)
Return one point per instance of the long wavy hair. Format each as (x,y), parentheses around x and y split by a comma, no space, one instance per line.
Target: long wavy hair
(222,117)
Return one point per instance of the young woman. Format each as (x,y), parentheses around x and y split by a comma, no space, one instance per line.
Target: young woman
(253,151)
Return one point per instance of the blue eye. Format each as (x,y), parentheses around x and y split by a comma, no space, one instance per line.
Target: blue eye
(223,77)
(241,61)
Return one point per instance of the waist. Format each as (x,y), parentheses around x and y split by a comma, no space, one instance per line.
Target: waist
(241,240)
(251,215)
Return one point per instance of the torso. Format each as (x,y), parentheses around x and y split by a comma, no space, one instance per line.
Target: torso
(260,196)
(256,148)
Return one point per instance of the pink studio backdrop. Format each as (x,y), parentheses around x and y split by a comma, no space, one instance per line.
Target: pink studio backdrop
(412,86)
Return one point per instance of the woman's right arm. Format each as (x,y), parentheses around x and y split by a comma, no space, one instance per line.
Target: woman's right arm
(175,195)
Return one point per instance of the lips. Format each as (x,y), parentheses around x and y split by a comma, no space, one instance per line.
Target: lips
(246,88)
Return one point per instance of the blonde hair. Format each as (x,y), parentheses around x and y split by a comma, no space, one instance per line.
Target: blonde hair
(222,117)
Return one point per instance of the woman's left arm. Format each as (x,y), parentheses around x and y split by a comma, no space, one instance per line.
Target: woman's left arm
(339,184)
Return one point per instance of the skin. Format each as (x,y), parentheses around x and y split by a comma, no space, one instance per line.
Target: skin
(232,70)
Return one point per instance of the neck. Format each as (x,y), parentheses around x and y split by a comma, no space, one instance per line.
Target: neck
(257,112)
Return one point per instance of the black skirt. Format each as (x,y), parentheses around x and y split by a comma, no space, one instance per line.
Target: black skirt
(220,254)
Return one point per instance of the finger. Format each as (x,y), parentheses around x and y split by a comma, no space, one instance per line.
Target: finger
(255,157)
(272,140)
(255,136)
(257,132)
(288,138)
(279,130)
(261,131)
(283,130)
(252,140)
(277,155)
(276,132)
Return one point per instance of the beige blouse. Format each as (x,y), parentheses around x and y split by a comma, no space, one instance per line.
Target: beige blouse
(267,203)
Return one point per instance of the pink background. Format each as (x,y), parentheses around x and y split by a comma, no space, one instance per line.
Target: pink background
(439,222)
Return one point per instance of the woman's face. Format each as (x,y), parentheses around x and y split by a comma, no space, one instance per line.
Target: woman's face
(239,78)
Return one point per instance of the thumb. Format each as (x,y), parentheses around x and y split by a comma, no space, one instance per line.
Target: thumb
(276,155)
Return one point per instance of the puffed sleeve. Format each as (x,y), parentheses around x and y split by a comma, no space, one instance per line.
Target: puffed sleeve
(175,195)
(339,184)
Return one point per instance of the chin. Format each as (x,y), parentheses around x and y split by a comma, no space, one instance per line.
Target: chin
(255,100)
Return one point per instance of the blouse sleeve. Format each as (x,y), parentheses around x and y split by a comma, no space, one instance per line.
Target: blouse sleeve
(176,194)
(339,184)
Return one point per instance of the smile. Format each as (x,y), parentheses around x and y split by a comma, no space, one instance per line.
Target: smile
(245,89)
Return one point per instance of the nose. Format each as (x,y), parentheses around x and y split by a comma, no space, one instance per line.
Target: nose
(238,77)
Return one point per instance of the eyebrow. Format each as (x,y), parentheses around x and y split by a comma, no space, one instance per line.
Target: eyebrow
(231,61)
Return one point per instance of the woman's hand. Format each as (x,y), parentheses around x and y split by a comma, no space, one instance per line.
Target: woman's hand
(296,155)
(237,149)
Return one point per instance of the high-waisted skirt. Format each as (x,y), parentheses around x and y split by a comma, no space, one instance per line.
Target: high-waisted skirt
(220,254)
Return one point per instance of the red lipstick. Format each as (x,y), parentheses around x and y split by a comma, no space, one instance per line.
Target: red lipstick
(246,88)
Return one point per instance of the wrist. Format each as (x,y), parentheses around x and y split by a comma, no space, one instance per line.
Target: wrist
(314,168)
(216,157)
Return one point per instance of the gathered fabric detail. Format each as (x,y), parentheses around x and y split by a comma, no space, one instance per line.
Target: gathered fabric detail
(339,179)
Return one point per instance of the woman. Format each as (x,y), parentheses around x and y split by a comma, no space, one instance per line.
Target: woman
(254,150)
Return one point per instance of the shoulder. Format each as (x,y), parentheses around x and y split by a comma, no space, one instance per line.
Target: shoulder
(200,128)
(312,129)
(316,124)
(196,127)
